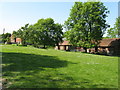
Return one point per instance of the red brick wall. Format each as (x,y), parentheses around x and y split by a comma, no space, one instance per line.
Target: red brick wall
(18,40)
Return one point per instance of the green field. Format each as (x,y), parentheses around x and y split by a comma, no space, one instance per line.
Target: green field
(29,67)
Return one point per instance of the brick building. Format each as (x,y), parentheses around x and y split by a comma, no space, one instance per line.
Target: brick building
(15,40)
(106,46)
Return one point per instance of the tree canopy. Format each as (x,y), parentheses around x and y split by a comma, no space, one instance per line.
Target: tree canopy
(49,32)
(22,33)
(86,24)
(44,32)
(115,31)
(6,37)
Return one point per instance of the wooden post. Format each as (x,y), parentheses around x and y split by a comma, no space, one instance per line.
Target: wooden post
(58,47)
(96,49)
(65,47)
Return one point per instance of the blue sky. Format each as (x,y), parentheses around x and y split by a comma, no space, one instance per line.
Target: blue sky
(16,14)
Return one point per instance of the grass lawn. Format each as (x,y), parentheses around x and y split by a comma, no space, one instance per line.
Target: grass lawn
(29,67)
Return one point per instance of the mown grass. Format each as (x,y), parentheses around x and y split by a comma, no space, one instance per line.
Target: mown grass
(29,67)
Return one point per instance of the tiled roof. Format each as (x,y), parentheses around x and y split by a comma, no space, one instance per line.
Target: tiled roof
(107,42)
(64,43)
(104,42)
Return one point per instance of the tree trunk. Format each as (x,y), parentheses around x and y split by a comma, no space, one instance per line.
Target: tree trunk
(65,47)
(15,40)
(96,49)
(44,46)
(58,46)
(85,49)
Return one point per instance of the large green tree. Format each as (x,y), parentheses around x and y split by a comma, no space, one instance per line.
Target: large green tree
(115,31)
(86,24)
(45,32)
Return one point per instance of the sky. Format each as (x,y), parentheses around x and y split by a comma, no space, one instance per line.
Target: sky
(14,15)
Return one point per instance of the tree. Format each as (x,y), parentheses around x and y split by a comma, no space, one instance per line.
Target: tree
(57,34)
(112,33)
(115,31)
(86,24)
(22,33)
(34,35)
(6,37)
(45,32)
(0,38)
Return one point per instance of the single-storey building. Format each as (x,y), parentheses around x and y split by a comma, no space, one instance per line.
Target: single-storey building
(109,46)
(65,45)
(106,46)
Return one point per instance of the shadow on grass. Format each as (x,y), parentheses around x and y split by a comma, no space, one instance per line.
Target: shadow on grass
(33,71)
(25,62)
